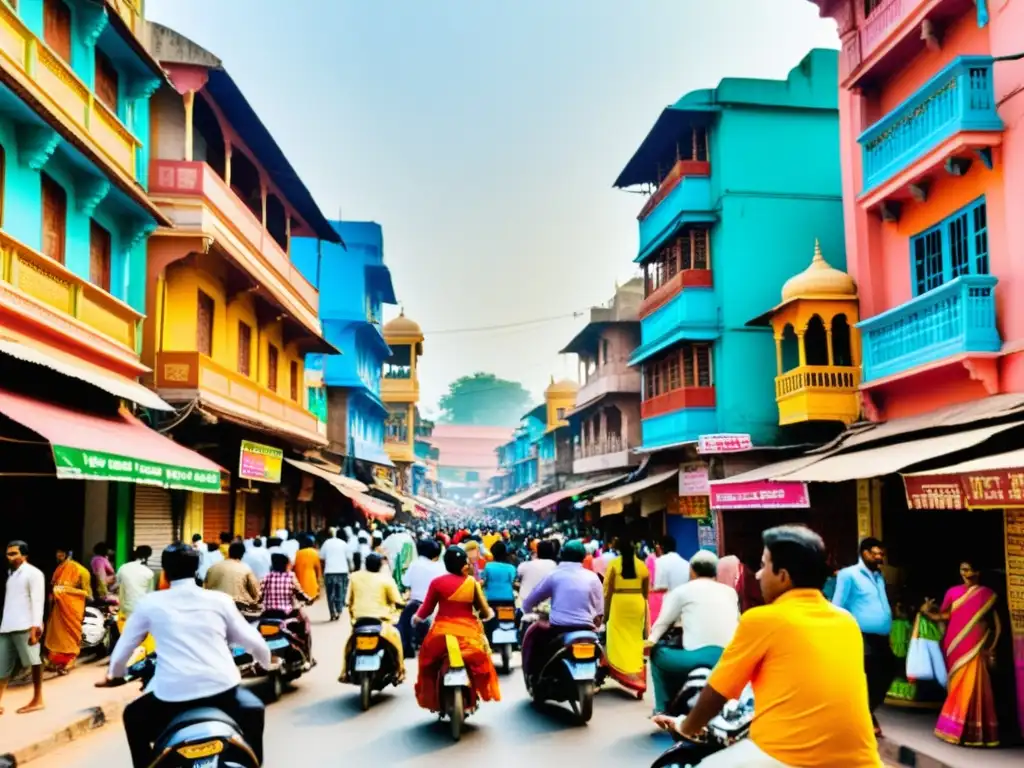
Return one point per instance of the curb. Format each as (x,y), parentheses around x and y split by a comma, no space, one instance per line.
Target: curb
(900,754)
(89,720)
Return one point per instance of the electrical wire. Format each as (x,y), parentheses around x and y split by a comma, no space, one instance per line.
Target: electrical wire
(502,326)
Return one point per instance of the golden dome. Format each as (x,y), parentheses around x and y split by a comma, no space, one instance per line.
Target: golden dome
(403,327)
(820,279)
(563,387)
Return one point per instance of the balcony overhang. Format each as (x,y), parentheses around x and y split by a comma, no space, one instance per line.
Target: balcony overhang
(675,428)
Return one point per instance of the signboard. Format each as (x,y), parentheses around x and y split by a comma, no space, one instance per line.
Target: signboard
(694,507)
(993,490)
(760,494)
(79,464)
(707,534)
(693,480)
(728,443)
(934,492)
(1015,591)
(259,462)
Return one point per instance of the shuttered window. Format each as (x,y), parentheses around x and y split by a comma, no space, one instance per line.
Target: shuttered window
(687,366)
(272,368)
(204,325)
(99,256)
(956,246)
(106,81)
(293,380)
(55,216)
(57,27)
(244,347)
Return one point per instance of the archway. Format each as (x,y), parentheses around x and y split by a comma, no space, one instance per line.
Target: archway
(816,342)
(842,348)
(790,349)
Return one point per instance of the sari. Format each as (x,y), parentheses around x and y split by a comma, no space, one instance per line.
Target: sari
(627,623)
(309,571)
(455,597)
(968,718)
(654,599)
(71,587)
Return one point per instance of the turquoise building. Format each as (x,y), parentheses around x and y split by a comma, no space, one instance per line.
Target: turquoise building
(743,179)
(519,459)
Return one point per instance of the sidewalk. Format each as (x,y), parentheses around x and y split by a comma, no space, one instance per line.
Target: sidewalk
(908,740)
(74,707)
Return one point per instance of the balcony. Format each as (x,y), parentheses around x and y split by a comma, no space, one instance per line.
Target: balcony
(958,318)
(687,202)
(236,228)
(625,381)
(130,12)
(684,397)
(185,376)
(686,278)
(35,70)
(611,453)
(678,417)
(43,293)
(818,393)
(394,389)
(690,315)
(953,114)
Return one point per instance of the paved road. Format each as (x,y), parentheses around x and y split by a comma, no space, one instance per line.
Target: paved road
(319,724)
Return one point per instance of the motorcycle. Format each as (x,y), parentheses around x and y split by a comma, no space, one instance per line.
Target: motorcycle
(369,662)
(569,674)
(99,629)
(288,641)
(458,696)
(504,635)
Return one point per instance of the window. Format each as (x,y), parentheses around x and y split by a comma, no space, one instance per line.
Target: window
(57,27)
(106,81)
(55,216)
(271,367)
(560,414)
(204,325)
(293,380)
(244,348)
(99,256)
(690,250)
(687,366)
(604,351)
(3,182)
(956,246)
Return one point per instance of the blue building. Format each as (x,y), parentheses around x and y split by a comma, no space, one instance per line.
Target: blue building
(519,459)
(743,179)
(354,284)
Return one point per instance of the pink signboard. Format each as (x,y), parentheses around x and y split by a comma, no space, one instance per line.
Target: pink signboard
(724,443)
(760,494)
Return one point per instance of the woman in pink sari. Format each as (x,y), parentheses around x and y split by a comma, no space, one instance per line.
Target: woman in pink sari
(968,717)
(654,599)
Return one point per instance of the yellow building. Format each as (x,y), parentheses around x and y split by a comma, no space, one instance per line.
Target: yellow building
(400,391)
(560,399)
(817,346)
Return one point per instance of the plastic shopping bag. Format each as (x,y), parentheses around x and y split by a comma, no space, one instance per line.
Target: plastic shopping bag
(924,657)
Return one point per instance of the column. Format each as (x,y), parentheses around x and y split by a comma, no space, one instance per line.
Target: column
(193,520)
(828,341)
(778,355)
(124,522)
(801,348)
(189,98)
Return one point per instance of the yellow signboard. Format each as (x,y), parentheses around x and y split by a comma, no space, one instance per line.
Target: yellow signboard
(259,462)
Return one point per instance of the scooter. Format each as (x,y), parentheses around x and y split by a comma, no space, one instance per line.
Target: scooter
(458,696)
(504,635)
(570,673)
(99,629)
(369,662)
(289,642)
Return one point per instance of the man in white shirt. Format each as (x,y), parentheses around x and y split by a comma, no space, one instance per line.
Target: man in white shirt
(134,582)
(670,569)
(289,544)
(257,558)
(21,627)
(709,614)
(334,556)
(532,572)
(423,570)
(192,627)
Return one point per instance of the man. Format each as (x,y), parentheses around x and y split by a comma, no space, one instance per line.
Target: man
(21,627)
(860,589)
(192,628)
(257,557)
(134,582)
(424,569)
(198,544)
(334,560)
(577,603)
(235,579)
(708,612)
(210,559)
(532,572)
(802,656)
(601,563)
(373,595)
(225,542)
(671,569)
(289,544)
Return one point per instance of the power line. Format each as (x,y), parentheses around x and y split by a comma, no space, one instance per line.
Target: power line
(502,326)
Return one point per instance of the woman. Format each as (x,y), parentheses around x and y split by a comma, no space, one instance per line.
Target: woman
(656,599)
(281,591)
(71,587)
(476,562)
(455,596)
(626,587)
(308,568)
(968,718)
(103,574)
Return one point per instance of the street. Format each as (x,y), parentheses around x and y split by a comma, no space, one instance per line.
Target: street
(319,722)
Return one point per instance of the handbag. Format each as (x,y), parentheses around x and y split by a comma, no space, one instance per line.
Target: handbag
(924,656)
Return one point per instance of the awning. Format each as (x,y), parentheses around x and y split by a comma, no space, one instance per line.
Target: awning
(76,368)
(517,500)
(775,471)
(1000,461)
(369,506)
(333,478)
(630,488)
(553,498)
(121,448)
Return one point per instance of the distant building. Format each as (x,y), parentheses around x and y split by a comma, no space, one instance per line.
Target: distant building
(400,390)
(467,461)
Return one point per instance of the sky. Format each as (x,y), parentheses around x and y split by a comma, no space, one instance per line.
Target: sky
(484,137)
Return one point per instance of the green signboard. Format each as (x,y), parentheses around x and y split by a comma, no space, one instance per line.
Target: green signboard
(78,464)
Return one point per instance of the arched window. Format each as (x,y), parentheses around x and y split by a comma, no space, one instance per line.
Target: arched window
(842,350)
(790,349)
(816,342)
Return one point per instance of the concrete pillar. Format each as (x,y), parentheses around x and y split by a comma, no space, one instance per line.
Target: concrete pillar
(95,523)
(189,98)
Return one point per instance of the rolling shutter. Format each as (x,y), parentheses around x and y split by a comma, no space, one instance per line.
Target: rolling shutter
(255,516)
(216,516)
(154,520)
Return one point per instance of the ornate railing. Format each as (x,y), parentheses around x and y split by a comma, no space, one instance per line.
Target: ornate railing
(828,378)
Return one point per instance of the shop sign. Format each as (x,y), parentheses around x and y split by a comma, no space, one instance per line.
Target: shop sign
(934,492)
(1014,521)
(260,462)
(693,480)
(693,507)
(728,443)
(996,489)
(78,464)
(707,534)
(760,494)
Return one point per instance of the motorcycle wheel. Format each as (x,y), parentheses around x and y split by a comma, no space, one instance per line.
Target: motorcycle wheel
(457,714)
(364,692)
(274,687)
(585,700)
(506,659)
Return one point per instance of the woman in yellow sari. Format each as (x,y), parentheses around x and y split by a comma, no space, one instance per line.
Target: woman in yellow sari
(72,584)
(626,586)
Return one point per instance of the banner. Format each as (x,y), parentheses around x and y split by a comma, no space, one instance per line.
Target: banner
(934,492)
(728,443)
(77,464)
(259,462)
(995,489)
(693,480)
(1014,521)
(760,494)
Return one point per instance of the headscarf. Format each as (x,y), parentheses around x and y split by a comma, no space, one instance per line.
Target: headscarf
(729,571)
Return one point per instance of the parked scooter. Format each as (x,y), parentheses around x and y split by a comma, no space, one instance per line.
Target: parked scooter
(569,674)
(99,628)
(370,662)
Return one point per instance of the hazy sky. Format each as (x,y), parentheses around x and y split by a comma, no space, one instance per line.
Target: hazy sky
(484,136)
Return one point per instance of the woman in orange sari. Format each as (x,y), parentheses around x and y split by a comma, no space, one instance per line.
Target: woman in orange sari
(455,596)
(72,584)
(968,717)
(308,568)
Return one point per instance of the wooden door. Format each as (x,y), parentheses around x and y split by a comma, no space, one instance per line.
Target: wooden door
(272,368)
(99,256)
(204,325)
(55,217)
(57,27)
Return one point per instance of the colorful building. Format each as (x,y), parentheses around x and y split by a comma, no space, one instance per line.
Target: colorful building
(733,194)
(354,284)
(519,458)
(230,316)
(468,460)
(400,391)
(555,446)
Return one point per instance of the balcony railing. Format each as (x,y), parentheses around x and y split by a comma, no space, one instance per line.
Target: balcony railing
(64,302)
(63,94)
(680,170)
(953,319)
(691,195)
(611,444)
(185,371)
(395,390)
(685,278)
(959,98)
(882,18)
(614,377)
(818,393)
(817,377)
(677,400)
(197,179)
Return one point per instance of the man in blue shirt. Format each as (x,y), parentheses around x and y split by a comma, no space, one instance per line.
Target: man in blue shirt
(860,589)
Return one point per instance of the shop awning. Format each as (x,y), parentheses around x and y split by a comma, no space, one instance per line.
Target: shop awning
(388,489)
(886,459)
(333,478)
(1011,460)
(630,488)
(517,499)
(368,505)
(88,446)
(553,498)
(76,368)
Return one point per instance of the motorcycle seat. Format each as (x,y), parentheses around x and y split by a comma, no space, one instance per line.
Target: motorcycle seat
(579,637)
(194,717)
(368,627)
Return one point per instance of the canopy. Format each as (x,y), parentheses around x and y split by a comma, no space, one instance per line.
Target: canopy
(369,506)
(1000,461)
(334,478)
(630,488)
(88,446)
(516,500)
(553,498)
(388,489)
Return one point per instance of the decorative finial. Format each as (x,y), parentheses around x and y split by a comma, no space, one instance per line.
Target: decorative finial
(818,258)
(401,310)
(552,378)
